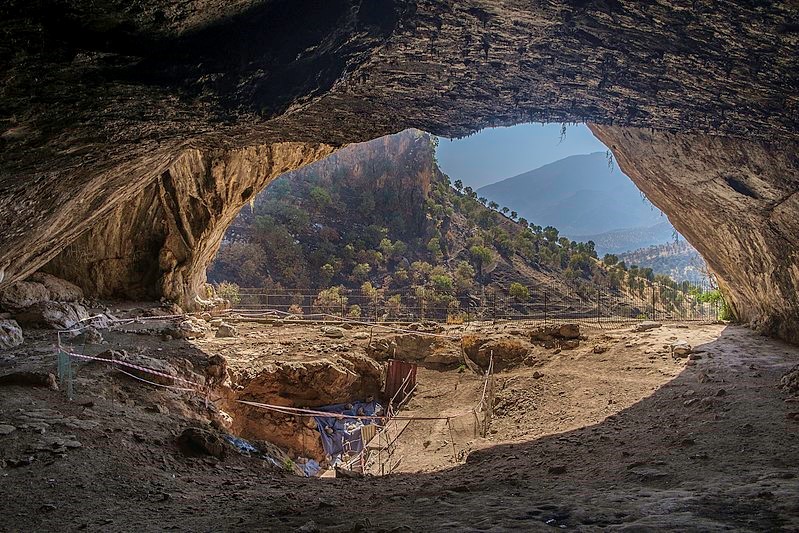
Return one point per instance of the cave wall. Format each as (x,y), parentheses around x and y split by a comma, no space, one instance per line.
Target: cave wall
(159,242)
(99,99)
(737,202)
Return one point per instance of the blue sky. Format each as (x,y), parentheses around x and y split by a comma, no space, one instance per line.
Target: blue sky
(494,154)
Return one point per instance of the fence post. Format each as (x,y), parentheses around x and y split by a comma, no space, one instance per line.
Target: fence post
(654,316)
(545,306)
(598,299)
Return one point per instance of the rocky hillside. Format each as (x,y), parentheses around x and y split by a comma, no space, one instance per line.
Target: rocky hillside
(382,214)
(100,103)
(678,260)
(630,239)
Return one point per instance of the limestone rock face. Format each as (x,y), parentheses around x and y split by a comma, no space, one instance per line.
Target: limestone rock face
(106,112)
(58,290)
(160,242)
(737,202)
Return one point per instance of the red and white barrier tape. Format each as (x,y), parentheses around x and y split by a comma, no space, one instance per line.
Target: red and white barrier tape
(131,365)
(171,387)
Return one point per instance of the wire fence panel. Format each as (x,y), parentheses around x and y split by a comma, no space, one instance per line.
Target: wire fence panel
(577,301)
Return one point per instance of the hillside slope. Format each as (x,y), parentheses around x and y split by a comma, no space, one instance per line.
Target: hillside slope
(678,260)
(580,195)
(383,213)
(630,239)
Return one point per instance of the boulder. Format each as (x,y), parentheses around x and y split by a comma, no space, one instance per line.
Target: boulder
(548,334)
(216,370)
(56,315)
(569,331)
(29,379)
(507,351)
(10,334)
(681,349)
(196,441)
(23,294)
(226,330)
(189,329)
(92,336)
(444,357)
(333,332)
(58,290)
(406,347)
(600,348)
(646,326)
(790,381)
(570,344)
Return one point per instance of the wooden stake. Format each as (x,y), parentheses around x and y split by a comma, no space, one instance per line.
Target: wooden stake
(452,440)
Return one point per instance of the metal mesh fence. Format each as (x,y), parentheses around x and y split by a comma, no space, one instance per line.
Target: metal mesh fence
(576,301)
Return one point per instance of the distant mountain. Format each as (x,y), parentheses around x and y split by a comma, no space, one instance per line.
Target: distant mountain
(629,239)
(580,195)
(679,260)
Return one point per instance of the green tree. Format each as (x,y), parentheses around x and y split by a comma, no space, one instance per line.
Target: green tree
(320,197)
(442,283)
(327,271)
(361,271)
(369,290)
(519,291)
(387,248)
(434,247)
(551,234)
(610,259)
(464,276)
(480,256)
(331,300)
(493,205)
(458,185)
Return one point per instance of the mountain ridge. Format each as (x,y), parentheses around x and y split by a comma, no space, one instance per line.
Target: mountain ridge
(580,195)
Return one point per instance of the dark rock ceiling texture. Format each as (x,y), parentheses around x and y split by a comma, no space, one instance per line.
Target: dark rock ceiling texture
(132,130)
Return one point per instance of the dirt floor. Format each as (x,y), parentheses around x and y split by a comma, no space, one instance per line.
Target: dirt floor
(615,434)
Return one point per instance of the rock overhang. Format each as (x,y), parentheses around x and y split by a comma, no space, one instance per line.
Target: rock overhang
(101,102)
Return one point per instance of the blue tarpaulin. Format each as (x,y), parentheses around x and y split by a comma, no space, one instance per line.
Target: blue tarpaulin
(346,432)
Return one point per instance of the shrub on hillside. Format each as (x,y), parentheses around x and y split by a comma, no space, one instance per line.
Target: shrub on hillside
(228,291)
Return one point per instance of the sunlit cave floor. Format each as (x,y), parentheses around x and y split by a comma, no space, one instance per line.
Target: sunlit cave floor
(628,439)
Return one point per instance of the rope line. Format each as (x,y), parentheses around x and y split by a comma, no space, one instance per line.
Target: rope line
(345,320)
